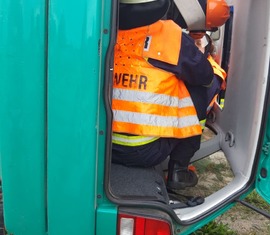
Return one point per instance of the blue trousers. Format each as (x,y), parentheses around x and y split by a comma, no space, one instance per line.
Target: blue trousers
(180,150)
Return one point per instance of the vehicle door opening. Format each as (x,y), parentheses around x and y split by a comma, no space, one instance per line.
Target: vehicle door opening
(235,129)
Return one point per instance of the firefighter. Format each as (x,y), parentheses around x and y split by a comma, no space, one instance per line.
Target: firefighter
(205,45)
(207,16)
(154,115)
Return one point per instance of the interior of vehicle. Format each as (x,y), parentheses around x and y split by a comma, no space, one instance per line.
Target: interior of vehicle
(235,128)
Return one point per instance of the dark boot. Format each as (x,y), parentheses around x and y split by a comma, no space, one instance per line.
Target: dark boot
(180,177)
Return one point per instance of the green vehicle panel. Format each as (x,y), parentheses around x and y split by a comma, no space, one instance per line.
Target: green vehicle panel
(56,60)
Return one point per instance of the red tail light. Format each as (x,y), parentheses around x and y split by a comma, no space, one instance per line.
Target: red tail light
(136,225)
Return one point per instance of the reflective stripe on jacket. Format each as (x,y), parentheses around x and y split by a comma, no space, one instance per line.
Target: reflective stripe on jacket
(216,68)
(148,101)
(132,140)
(219,72)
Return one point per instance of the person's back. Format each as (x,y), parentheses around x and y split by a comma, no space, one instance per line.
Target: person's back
(136,76)
(154,116)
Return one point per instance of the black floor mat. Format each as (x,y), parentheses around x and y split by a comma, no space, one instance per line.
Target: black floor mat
(137,183)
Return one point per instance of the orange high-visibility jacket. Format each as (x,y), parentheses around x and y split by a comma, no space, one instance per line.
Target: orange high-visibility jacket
(148,101)
(218,71)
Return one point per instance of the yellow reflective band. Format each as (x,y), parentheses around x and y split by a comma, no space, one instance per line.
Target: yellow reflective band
(222,101)
(202,122)
(127,140)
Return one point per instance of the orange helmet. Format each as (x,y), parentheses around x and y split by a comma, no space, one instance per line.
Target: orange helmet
(217,13)
(199,15)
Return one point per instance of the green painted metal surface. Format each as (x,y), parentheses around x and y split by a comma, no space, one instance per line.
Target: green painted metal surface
(73,93)
(52,129)
(263,174)
(106,220)
(22,115)
(104,89)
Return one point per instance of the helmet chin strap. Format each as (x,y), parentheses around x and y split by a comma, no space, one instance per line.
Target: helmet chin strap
(192,13)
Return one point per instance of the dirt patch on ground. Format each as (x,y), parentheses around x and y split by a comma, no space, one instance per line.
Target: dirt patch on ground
(245,222)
